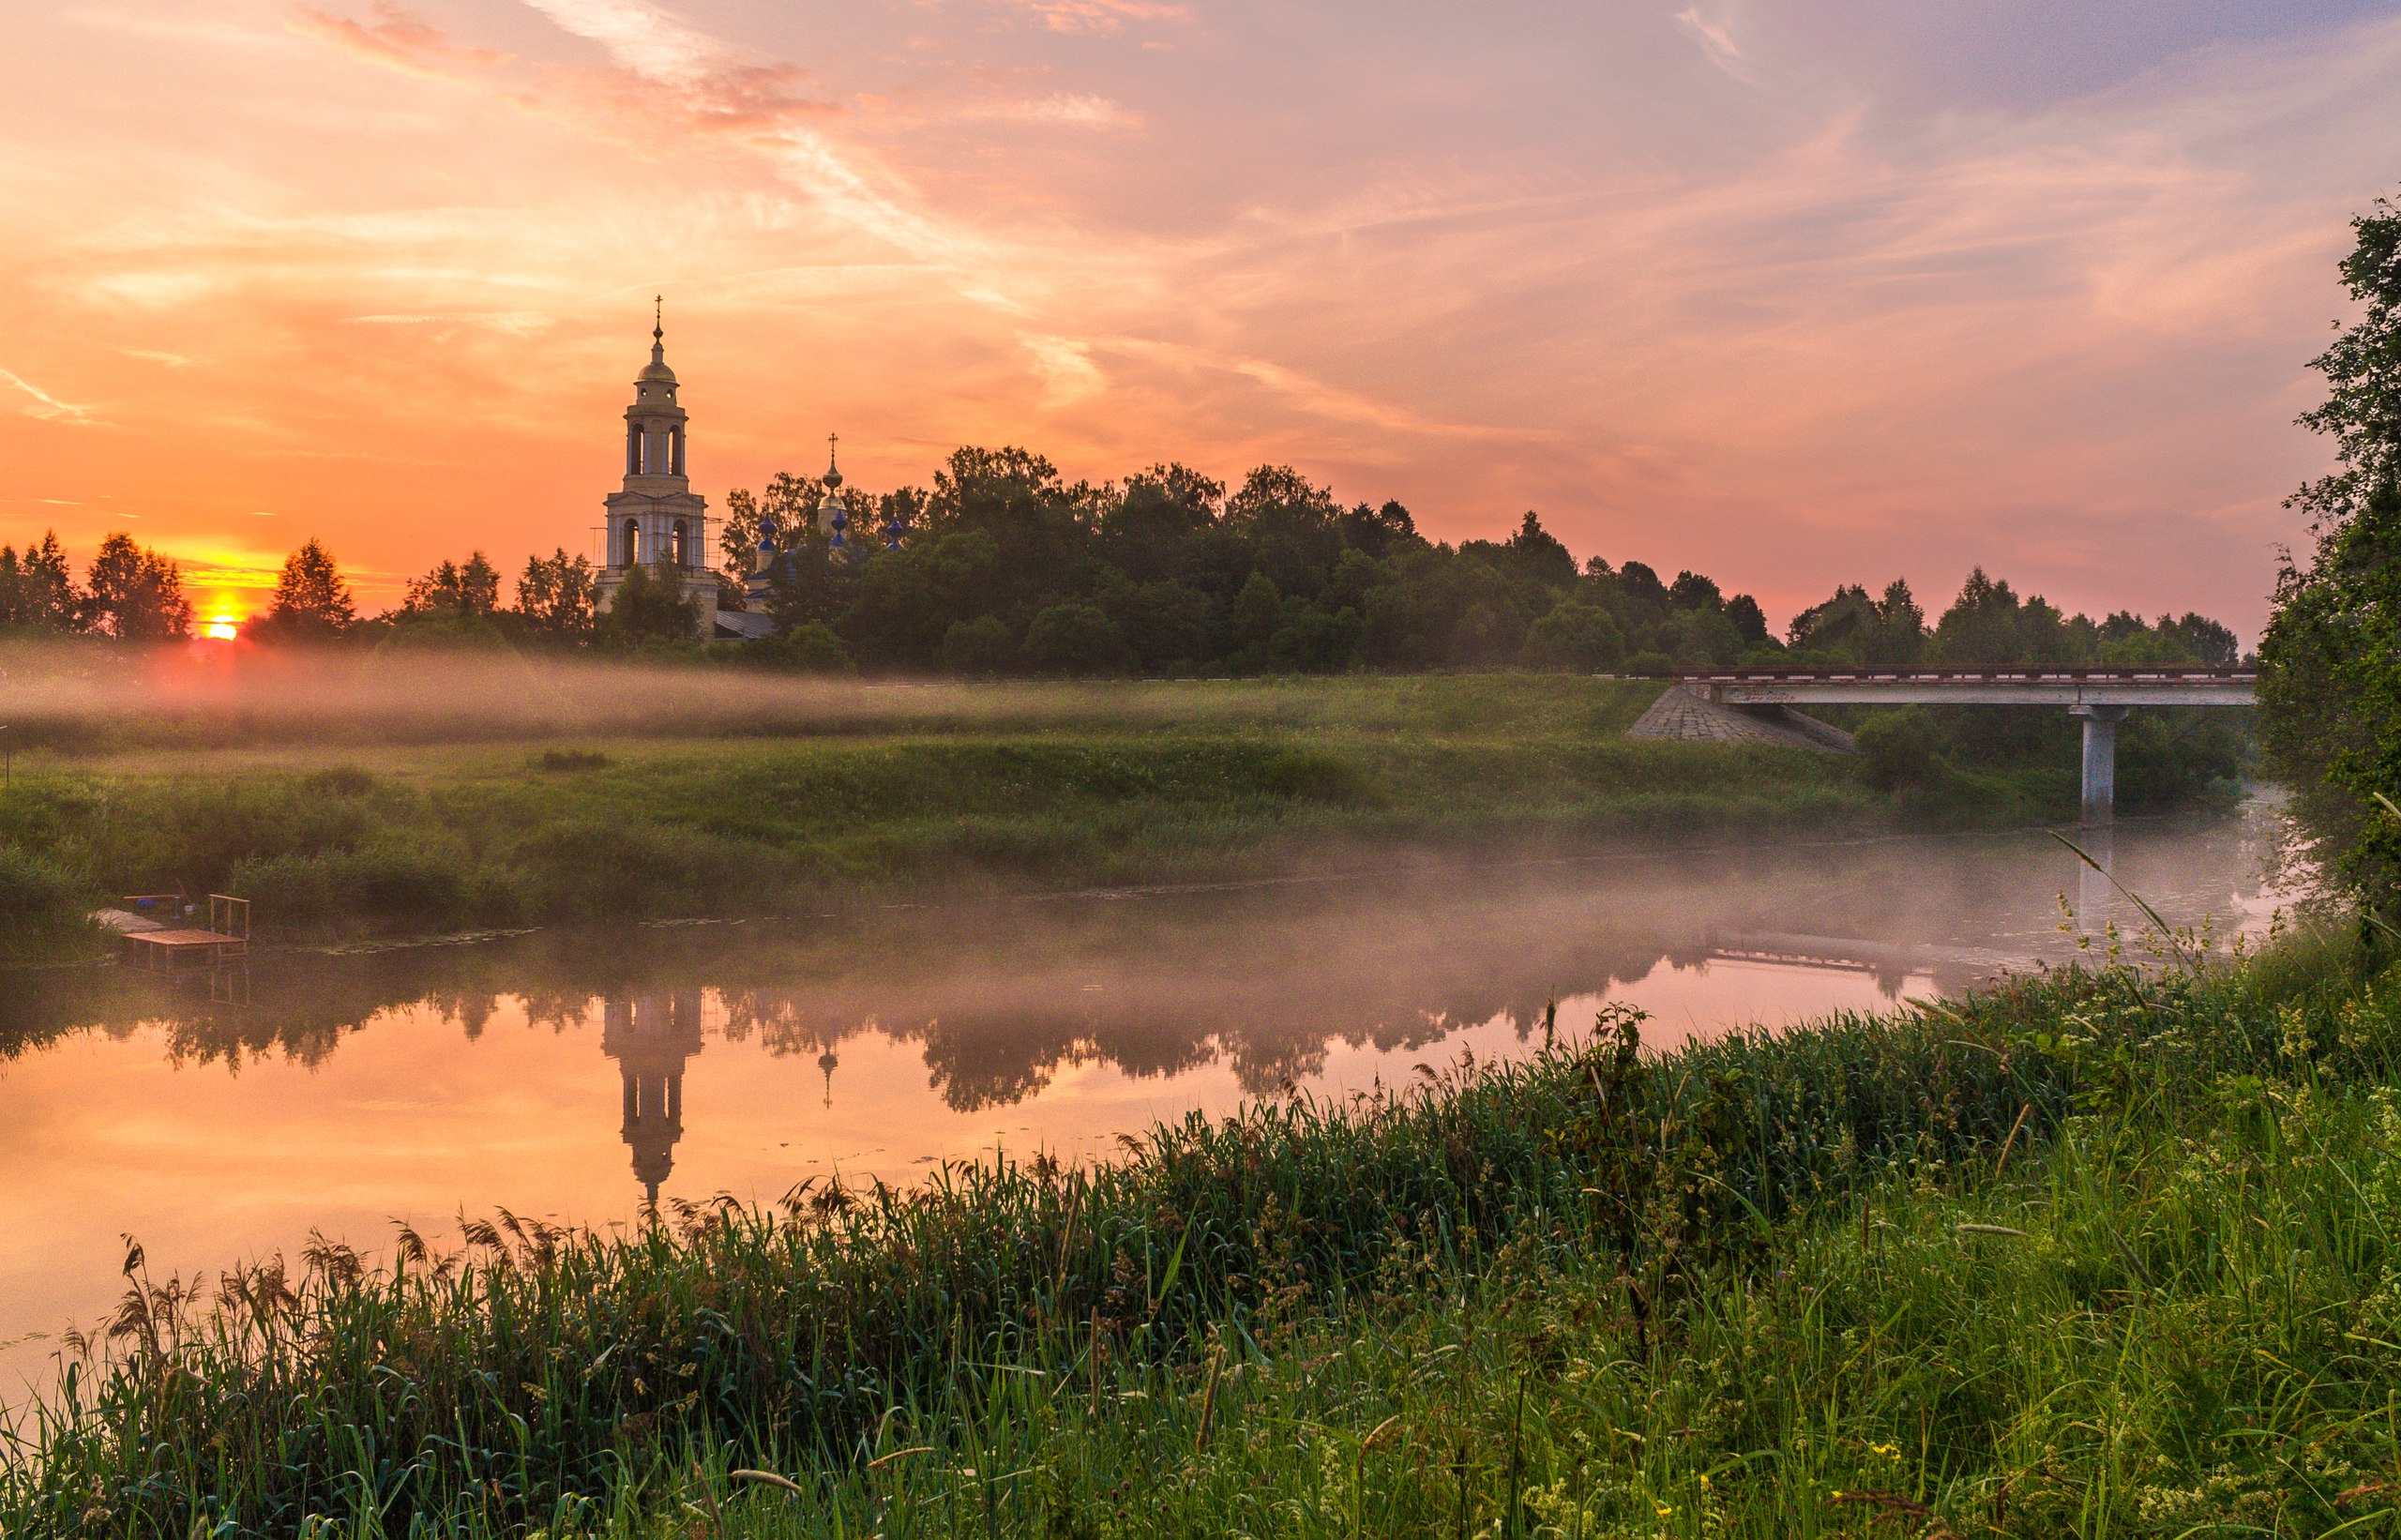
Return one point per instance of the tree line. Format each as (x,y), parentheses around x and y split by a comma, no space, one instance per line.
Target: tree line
(1004,568)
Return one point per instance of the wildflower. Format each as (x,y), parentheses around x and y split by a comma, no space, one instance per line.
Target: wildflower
(1663,1510)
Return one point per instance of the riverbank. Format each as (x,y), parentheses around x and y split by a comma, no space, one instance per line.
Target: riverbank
(1453,1304)
(848,793)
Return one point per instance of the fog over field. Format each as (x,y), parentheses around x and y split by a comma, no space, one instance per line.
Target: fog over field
(86,697)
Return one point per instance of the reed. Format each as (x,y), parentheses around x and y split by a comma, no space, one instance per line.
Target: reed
(569,1379)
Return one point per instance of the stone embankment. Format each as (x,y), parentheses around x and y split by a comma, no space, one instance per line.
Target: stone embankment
(1688,714)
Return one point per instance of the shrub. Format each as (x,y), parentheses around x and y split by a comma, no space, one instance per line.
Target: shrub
(1651,665)
(1078,639)
(978,646)
(1896,748)
(41,904)
(1575,635)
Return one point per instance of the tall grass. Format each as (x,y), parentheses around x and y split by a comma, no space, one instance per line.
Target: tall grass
(547,1373)
(640,829)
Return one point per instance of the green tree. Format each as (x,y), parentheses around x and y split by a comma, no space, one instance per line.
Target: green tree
(555,596)
(1075,638)
(468,589)
(978,647)
(135,594)
(1576,635)
(311,601)
(2329,688)
(650,606)
(37,591)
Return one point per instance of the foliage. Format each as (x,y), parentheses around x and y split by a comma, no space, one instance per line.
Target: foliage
(2331,686)
(555,597)
(469,588)
(311,601)
(1168,573)
(1075,638)
(42,909)
(38,593)
(649,605)
(1667,1241)
(136,594)
(1073,786)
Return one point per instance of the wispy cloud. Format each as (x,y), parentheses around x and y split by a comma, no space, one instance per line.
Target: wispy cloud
(1098,16)
(1074,110)
(41,404)
(1717,42)
(393,37)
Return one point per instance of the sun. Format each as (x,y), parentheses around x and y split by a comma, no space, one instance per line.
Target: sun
(221,629)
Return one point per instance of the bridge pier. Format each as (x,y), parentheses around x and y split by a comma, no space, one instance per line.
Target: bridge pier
(2100,762)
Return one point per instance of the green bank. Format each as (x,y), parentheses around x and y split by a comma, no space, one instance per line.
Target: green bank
(475,818)
(2103,1252)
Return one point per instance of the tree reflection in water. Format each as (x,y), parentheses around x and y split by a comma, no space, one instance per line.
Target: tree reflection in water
(1267,980)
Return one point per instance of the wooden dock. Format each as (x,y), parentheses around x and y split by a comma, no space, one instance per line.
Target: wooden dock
(164,947)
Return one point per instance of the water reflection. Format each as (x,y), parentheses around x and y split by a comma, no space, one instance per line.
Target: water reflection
(652,1037)
(223,1117)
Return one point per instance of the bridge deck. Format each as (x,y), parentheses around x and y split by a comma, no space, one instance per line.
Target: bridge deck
(1981,686)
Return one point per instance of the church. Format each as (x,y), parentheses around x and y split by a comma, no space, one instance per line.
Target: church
(655,521)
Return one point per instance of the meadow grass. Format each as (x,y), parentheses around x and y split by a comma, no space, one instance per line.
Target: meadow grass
(1150,783)
(1719,1291)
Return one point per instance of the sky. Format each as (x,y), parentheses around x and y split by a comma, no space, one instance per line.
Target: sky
(1793,294)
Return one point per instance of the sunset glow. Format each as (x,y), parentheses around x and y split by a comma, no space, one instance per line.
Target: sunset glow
(1789,298)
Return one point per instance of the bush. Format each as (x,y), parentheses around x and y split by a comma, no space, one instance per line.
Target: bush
(1078,639)
(41,904)
(1575,636)
(371,890)
(810,647)
(1651,665)
(977,648)
(1896,748)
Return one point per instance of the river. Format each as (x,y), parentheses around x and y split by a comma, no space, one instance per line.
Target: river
(572,1075)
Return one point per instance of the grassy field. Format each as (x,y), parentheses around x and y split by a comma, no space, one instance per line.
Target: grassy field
(2101,1253)
(861,790)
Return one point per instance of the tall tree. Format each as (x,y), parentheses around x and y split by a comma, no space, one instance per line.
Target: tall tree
(554,595)
(2329,685)
(469,588)
(37,590)
(311,601)
(135,594)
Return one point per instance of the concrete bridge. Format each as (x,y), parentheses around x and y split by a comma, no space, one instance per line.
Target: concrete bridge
(2101,697)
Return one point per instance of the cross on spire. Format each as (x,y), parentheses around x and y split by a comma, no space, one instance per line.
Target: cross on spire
(658,318)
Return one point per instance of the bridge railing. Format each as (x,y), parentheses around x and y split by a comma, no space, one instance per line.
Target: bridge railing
(1974,676)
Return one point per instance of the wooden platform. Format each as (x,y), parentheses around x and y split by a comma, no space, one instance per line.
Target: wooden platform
(162,950)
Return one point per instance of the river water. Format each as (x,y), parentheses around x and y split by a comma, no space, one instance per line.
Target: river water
(572,1075)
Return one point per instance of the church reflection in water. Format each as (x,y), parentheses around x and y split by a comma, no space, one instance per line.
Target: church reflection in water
(1268,987)
(652,1036)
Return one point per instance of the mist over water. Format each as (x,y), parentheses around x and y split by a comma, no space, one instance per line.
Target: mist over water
(569,1074)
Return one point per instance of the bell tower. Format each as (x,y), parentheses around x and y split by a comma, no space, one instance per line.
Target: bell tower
(655,521)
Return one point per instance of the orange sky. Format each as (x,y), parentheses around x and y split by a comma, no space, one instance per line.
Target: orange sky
(1791,299)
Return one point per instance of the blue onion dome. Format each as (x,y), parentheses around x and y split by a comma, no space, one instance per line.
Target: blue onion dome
(841,519)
